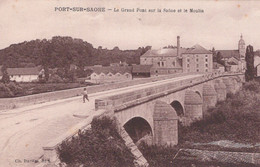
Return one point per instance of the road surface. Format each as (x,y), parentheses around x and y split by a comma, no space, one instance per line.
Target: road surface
(24,131)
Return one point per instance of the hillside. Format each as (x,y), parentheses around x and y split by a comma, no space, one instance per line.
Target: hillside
(62,51)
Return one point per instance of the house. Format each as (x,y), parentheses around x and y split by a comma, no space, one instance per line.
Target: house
(102,74)
(257,62)
(177,59)
(141,71)
(23,74)
(218,67)
(229,56)
(232,67)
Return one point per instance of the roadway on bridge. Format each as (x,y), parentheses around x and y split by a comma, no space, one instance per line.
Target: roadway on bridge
(24,132)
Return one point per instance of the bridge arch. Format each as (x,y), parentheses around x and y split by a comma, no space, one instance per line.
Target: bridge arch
(198,93)
(137,128)
(178,107)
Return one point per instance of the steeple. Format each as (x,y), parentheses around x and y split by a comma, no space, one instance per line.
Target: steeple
(242,47)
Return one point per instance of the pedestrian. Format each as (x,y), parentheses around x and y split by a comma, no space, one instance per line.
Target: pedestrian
(85,95)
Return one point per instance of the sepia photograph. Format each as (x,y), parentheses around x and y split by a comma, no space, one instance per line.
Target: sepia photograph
(130,83)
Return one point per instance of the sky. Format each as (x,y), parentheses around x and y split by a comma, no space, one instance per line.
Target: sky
(220,25)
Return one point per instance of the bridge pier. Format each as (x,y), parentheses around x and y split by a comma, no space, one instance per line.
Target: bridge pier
(220,88)
(237,82)
(193,107)
(229,85)
(209,95)
(165,124)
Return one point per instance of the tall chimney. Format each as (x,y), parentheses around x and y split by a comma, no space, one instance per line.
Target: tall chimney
(178,46)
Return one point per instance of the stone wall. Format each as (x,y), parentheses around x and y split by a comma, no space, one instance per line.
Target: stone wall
(10,103)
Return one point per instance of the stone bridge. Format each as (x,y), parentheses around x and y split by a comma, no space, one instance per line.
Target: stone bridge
(156,110)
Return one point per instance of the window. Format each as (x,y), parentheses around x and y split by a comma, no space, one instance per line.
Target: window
(188,60)
(206,70)
(197,70)
(206,60)
(188,65)
(162,63)
(197,55)
(197,60)
(110,75)
(206,65)
(197,65)
(173,63)
(156,71)
(158,64)
(206,55)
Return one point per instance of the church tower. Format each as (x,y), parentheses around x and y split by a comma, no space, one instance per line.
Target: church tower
(242,48)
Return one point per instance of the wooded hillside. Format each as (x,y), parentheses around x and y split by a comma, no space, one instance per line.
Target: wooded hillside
(63,51)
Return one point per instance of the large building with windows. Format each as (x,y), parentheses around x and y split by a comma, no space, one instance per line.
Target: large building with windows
(197,59)
(177,59)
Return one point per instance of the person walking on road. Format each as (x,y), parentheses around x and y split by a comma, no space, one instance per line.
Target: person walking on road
(85,95)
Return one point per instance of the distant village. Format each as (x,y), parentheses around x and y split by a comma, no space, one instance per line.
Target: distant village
(165,61)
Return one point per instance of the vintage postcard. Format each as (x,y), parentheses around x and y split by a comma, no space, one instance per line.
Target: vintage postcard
(129,83)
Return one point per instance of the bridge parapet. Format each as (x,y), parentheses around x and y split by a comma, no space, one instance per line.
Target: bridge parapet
(138,94)
(134,95)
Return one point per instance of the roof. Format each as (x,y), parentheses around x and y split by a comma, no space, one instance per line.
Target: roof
(257,53)
(232,63)
(229,53)
(197,49)
(23,71)
(142,68)
(111,69)
(217,65)
(172,52)
(166,52)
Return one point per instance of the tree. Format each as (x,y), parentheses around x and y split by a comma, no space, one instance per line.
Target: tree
(5,77)
(214,54)
(250,70)
(101,145)
(219,57)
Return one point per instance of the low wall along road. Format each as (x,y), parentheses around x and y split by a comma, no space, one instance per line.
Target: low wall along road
(10,103)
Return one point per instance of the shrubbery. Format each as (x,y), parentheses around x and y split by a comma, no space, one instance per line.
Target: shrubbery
(99,146)
(237,119)
(10,89)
